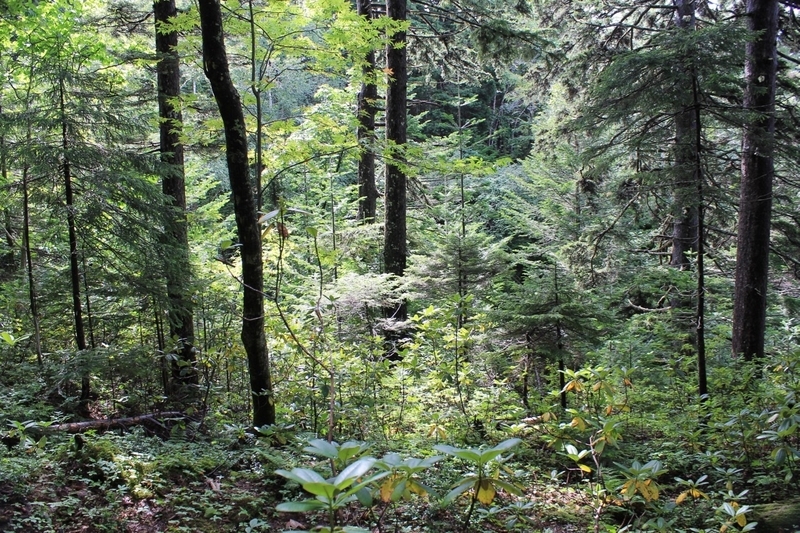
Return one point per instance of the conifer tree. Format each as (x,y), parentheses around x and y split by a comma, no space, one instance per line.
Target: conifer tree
(395,243)
(758,170)
(176,239)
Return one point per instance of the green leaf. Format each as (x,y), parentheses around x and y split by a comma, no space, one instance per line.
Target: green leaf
(322,448)
(300,507)
(466,454)
(459,490)
(301,475)
(355,470)
(320,489)
(508,487)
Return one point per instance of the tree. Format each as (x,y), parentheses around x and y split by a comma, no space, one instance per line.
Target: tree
(215,65)
(685,209)
(176,238)
(758,171)
(395,245)
(367,108)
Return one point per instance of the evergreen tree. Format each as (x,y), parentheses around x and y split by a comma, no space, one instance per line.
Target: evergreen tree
(758,171)
(177,267)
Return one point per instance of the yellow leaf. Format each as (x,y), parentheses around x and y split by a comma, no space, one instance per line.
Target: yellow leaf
(629,488)
(681,497)
(417,489)
(627,382)
(609,409)
(585,468)
(388,487)
(579,423)
(388,72)
(741,520)
(486,492)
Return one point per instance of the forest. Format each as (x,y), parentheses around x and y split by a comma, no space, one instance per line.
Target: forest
(374,266)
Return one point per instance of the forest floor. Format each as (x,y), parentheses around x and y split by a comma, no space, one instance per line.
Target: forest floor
(136,484)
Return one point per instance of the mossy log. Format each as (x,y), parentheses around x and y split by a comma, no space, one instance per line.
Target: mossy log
(105,424)
(778,517)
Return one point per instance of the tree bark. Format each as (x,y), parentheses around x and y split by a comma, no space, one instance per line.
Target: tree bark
(215,64)
(75,275)
(173,184)
(367,191)
(684,229)
(395,246)
(755,200)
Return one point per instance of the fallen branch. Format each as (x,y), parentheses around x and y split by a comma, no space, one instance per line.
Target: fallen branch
(112,423)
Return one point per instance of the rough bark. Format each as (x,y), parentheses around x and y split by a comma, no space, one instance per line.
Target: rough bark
(755,200)
(395,246)
(367,97)
(173,185)
(684,229)
(215,64)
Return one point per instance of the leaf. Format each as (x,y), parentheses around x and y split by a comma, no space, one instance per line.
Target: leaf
(301,475)
(269,216)
(364,496)
(508,487)
(300,507)
(486,492)
(320,489)
(323,448)
(355,470)
(681,497)
(388,486)
(467,454)
(458,491)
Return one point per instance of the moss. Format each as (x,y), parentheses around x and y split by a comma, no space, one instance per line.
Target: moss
(778,517)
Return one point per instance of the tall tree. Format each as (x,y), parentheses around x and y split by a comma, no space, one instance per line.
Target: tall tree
(685,208)
(75,274)
(367,98)
(215,64)
(755,196)
(395,245)
(173,183)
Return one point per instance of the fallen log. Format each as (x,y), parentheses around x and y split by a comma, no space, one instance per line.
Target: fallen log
(111,423)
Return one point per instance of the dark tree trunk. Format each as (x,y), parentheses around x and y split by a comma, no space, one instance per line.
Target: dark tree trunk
(685,210)
(395,246)
(215,64)
(75,275)
(173,185)
(367,97)
(256,76)
(32,297)
(755,201)
(7,262)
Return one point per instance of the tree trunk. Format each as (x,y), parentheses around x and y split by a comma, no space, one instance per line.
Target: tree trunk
(367,191)
(755,201)
(173,185)
(684,229)
(26,236)
(75,275)
(395,246)
(215,64)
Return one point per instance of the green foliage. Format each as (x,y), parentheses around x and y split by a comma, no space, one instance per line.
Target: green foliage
(332,494)
(482,485)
